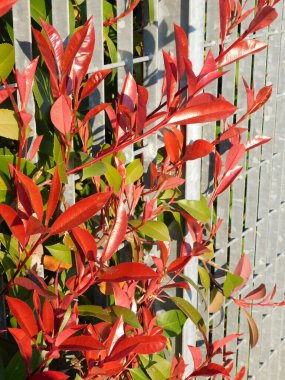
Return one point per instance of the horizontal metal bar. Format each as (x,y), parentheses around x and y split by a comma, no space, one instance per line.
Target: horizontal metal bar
(115,65)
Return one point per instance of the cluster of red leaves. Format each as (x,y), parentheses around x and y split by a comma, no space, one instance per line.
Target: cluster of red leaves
(110,349)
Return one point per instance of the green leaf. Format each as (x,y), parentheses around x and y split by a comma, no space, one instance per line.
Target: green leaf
(94,311)
(172,322)
(154,229)
(8,124)
(134,171)
(232,282)
(156,366)
(5,190)
(113,177)
(150,11)
(39,9)
(7,54)
(190,311)
(198,209)
(111,48)
(138,374)
(204,277)
(60,252)
(128,315)
(97,169)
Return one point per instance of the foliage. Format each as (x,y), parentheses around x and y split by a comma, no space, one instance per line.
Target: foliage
(93,314)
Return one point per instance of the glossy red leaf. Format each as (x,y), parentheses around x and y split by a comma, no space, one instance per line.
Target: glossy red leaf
(170,81)
(256,141)
(25,82)
(222,342)
(48,317)
(128,96)
(226,181)
(256,294)
(128,271)
(49,375)
(209,66)
(211,369)
(225,16)
(4,94)
(198,149)
(141,108)
(261,98)
(196,355)
(49,61)
(240,375)
(14,223)
(33,194)
(243,269)
(6,6)
(231,132)
(93,82)
(178,264)
(118,232)
(24,316)
(94,111)
(79,52)
(172,145)
(53,196)
(31,285)
(86,242)
(235,154)
(132,6)
(81,343)
(240,50)
(79,212)
(24,343)
(208,78)
(55,43)
(61,114)
(213,110)
(35,147)
(263,18)
(181,43)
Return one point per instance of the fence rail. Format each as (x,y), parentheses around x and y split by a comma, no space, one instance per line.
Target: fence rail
(253,209)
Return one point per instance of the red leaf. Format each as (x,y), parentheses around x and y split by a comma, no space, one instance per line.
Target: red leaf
(94,111)
(225,15)
(256,294)
(235,154)
(48,317)
(61,114)
(53,196)
(55,44)
(172,145)
(170,78)
(4,94)
(210,370)
(31,285)
(24,343)
(240,375)
(181,49)
(86,242)
(213,110)
(128,271)
(25,82)
(24,316)
(256,141)
(6,6)
(178,264)
(14,223)
(261,98)
(93,82)
(49,375)
(49,60)
(81,343)
(226,181)
(78,53)
(240,50)
(132,6)
(35,147)
(198,149)
(196,356)
(141,108)
(231,132)
(118,232)
(79,213)
(263,18)
(33,194)
(222,342)
(243,269)
(128,96)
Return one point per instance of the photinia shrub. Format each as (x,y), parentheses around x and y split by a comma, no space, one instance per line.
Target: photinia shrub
(92,314)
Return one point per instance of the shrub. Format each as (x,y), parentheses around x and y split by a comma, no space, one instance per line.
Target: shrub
(93,314)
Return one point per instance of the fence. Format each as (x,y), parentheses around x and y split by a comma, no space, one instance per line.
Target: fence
(253,208)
